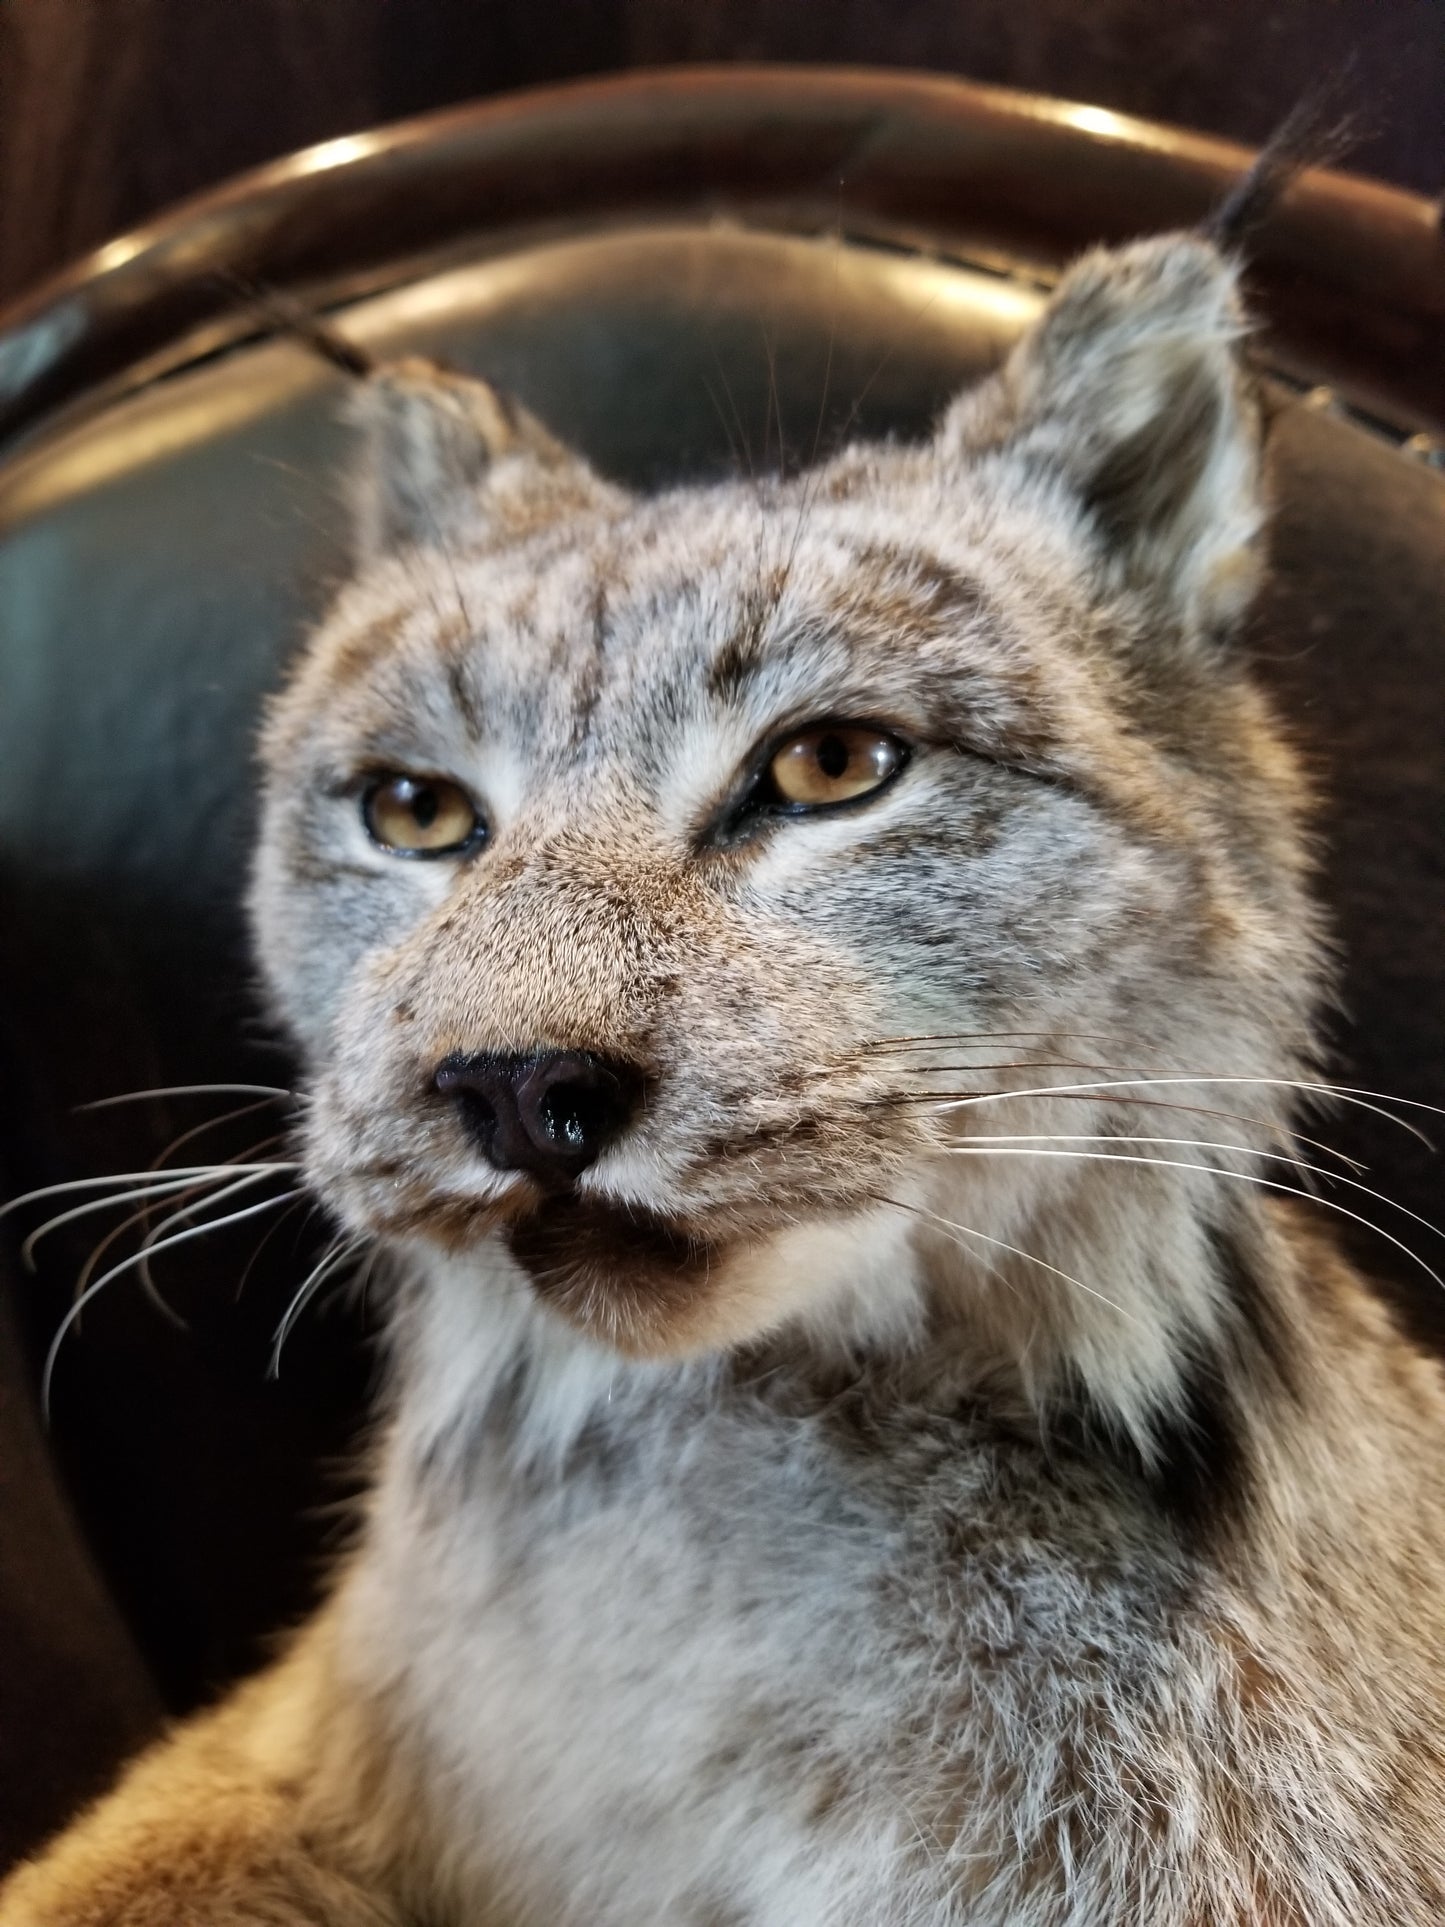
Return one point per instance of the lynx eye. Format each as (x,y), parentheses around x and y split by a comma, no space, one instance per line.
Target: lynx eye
(834,763)
(421,816)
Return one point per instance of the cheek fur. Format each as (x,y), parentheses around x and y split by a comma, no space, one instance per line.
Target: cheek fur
(319,909)
(975,901)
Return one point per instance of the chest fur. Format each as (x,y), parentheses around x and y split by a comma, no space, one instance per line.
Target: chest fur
(751,1665)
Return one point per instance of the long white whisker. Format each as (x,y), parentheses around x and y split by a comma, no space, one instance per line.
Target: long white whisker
(1206,1144)
(1028,1256)
(1197,1110)
(243,1157)
(266,1237)
(1272,1125)
(1287,1133)
(148,1284)
(211,1124)
(981,1039)
(187,1090)
(1150,1082)
(189,1189)
(160,1181)
(335,1259)
(182,1237)
(27,1250)
(1215,1171)
(153,1239)
(296,1309)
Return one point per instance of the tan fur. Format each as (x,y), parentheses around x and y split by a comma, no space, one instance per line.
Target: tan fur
(225,1823)
(921,1471)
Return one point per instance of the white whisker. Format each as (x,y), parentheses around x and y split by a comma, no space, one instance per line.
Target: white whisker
(243,1159)
(188,1090)
(970,1231)
(189,1189)
(268,1234)
(1205,1144)
(148,1284)
(1149,1081)
(336,1257)
(182,1237)
(27,1249)
(212,1124)
(1288,1133)
(1215,1171)
(153,1240)
(981,1039)
(161,1181)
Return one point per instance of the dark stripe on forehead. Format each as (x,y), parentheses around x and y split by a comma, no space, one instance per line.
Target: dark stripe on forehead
(890,592)
(356,659)
(936,593)
(463,695)
(589,680)
(355,656)
(742,653)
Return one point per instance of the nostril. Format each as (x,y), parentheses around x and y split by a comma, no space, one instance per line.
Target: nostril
(551,1113)
(575,1115)
(478,1115)
(571,1115)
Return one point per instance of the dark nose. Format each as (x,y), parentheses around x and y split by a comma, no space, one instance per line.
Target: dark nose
(551,1113)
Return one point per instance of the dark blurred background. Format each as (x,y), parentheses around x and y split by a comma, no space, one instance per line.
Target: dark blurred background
(109,109)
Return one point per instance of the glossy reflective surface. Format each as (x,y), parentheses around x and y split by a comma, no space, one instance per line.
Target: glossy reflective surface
(1353,269)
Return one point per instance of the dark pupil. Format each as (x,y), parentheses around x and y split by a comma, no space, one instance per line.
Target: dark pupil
(424,806)
(833,756)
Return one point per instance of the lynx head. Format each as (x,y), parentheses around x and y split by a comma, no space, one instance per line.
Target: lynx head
(651,882)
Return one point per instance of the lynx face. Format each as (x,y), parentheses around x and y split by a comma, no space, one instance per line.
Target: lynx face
(647,879)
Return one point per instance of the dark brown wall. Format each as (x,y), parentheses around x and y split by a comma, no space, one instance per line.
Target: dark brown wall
(111,108)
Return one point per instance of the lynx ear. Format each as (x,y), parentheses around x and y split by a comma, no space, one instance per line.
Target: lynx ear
(431,435)
(1129,391)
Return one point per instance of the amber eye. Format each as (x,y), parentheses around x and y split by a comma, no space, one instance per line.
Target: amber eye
(421,816)
(833,764)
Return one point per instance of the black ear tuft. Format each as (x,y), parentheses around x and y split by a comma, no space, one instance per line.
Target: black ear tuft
(430,433)
(1318,131)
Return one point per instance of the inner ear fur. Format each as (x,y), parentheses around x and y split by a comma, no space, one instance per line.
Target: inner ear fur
(1130,391)
(430,437)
